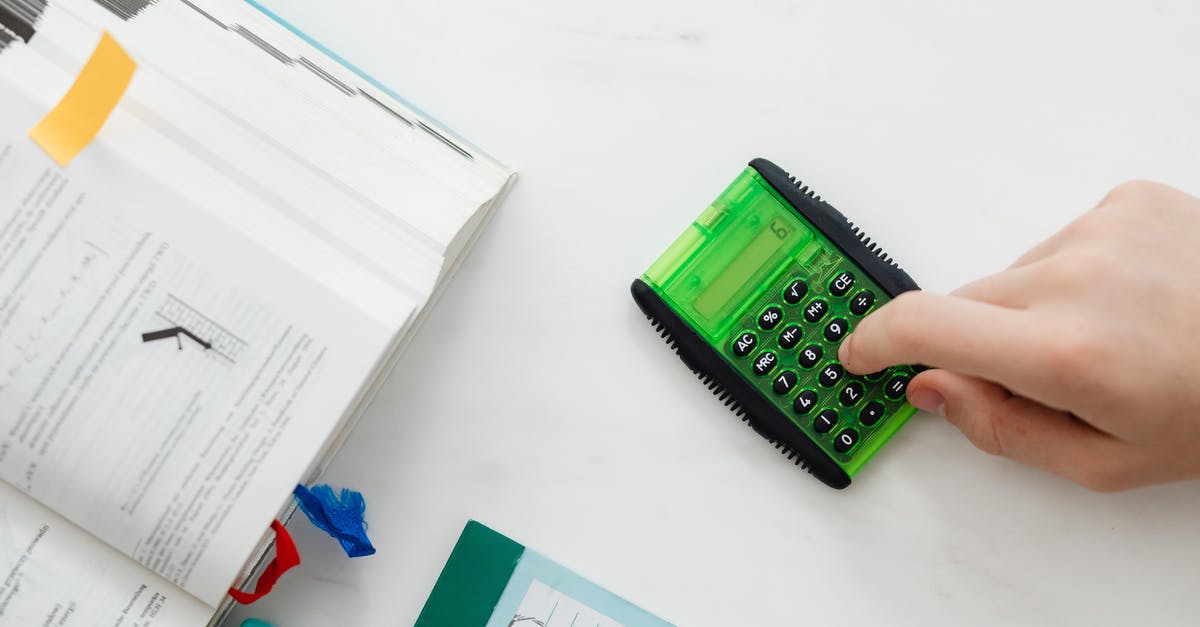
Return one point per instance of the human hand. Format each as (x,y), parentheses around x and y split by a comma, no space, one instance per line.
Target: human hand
(1081,358)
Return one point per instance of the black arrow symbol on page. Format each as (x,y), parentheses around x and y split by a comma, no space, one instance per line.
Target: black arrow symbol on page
(175,332)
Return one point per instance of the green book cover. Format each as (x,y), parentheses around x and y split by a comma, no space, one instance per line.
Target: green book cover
(492,581)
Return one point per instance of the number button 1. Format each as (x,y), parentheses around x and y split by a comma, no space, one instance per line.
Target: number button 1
(769,318)
(744,344)
(825,421)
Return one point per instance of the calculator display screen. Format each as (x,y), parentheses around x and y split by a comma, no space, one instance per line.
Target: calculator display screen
(728,255)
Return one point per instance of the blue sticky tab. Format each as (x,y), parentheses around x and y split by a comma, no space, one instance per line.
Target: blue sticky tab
(340,516)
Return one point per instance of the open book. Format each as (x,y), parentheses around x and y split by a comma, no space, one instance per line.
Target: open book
(193,312)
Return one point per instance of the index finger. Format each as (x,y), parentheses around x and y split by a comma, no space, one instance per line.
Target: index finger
(951,332)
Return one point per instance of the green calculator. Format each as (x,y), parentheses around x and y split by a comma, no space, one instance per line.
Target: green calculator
(756,296)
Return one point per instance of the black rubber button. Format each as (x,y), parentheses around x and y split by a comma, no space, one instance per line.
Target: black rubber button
(895,387)
(804,402)
(831,374)
(795,292)
(816,310)
(825,421)
(770,318)
(790,337)
(810,356)
(876,376)
(836,329)
(765,363)
(845,440)
(744,344)
(851,394)
(871,414)
(841,284)
(861,303)
(784,382)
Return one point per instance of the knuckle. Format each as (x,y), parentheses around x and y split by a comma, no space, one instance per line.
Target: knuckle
(1132,192)
(1076,350)
(983,430)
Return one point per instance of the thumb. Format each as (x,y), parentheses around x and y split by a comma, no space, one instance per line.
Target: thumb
(999,423)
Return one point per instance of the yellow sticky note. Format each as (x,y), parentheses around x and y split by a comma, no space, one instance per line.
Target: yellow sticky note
(72,125)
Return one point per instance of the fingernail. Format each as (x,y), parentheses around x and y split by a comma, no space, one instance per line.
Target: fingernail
(844,349)
(926,399)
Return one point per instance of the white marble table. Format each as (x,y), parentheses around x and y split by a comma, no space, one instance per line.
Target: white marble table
(539,401)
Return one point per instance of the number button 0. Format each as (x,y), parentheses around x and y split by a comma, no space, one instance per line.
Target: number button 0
(836,329)
(831,375)
(871,414)
(804,402)
(790,337)
(895,387)
(810,356)
(861,303)
(845,440)
(769,318)
(795,292)
(784,382)
(744,344)
(765,363)
(825,421)
(816,310)
(841,284)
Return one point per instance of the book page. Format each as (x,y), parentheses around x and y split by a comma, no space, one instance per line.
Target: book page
(163,381)
(54,573)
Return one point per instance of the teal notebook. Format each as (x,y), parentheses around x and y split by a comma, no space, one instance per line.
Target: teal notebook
(491,581)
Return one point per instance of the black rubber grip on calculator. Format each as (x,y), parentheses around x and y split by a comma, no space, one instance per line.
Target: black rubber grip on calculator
(735,391)
(850,239)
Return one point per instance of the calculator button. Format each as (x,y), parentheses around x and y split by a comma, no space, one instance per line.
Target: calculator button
(875,376)
(785,382)
(744,344)
(851,394)
(790,337)
(836,329)
(861,303)
(895,387)
(804,402)
(831,374)
(825,421)
(765,363)
(810,356)
(845,440)
(769,318)
(795,292)
(871,414)
(816,310)
(841,284)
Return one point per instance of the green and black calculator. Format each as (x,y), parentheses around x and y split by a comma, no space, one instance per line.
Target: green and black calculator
(756,296)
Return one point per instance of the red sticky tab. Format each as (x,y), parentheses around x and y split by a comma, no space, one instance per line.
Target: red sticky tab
(286,556)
